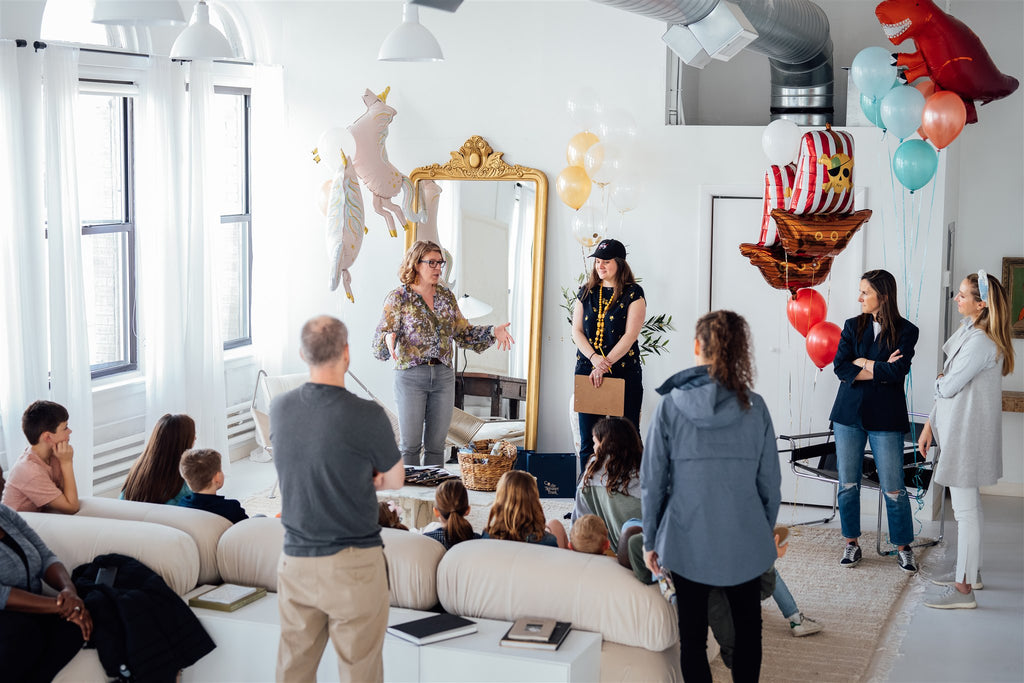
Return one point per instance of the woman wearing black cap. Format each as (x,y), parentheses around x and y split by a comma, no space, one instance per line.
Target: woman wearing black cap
(606,321)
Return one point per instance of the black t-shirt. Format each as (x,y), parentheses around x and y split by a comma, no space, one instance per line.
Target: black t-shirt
(612,315)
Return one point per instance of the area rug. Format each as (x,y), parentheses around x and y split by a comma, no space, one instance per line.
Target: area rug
(855,607)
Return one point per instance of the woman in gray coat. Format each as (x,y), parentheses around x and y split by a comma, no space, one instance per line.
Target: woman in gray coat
(710,488)
(966,423)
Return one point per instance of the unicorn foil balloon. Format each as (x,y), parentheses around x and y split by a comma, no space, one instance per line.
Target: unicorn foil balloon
(345,227)
(371,163)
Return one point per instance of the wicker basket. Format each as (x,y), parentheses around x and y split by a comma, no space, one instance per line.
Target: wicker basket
(481,470)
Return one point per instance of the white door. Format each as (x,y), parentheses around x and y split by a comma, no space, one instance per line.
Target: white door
(799,396)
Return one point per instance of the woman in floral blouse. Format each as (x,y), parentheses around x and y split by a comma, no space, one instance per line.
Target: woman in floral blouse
(420,320)
(606,322)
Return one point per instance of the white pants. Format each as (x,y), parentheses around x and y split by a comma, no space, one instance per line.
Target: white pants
(967,511)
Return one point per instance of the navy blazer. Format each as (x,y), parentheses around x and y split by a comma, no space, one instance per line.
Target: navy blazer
(878,404)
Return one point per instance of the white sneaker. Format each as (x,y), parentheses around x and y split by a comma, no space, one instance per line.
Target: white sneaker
(806,627)
(948,580)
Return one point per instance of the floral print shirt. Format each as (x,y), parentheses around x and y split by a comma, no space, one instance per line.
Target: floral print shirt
(421,333)
(613,324)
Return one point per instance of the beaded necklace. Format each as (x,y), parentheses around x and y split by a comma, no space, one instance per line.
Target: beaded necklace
(602,308)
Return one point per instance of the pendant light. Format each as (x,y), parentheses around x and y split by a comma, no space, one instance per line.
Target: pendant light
(411,41)
(138,13)
(200,40)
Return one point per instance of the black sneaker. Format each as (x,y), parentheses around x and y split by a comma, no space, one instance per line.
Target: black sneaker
(852,555)
(906,560)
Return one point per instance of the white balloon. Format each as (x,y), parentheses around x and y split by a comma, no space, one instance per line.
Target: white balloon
(588,226)
(625,194)
(602,162)
(617,125)
(781,142)
(585,108)
(330,145)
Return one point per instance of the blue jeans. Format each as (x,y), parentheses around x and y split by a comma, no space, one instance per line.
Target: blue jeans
(425,396)
(783,598)
(887,449)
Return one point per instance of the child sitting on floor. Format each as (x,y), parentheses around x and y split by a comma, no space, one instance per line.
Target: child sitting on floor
(201,470)
(451,505)
(589,535)
(389,515)
(517,514)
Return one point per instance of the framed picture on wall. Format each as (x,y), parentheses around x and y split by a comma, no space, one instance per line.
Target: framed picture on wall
(1013,280)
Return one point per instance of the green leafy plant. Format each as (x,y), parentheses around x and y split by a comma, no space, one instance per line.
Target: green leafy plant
(653,337)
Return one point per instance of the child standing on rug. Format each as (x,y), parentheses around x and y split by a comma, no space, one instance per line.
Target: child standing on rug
(799,623)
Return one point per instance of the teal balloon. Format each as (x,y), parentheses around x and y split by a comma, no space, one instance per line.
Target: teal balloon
(870,108)
(914,164)
(901,110)
(873,72)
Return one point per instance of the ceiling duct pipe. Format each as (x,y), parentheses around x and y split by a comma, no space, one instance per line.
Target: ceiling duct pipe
(793,34)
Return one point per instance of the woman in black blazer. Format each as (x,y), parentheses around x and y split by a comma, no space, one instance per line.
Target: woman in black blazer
(871,363)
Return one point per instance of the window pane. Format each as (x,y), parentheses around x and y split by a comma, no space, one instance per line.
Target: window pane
(101,167)
(105,268)
(228,141)
(233,286)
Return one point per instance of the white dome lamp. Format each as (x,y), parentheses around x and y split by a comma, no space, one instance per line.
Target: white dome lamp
(411,41)
(200,40)
(136,13)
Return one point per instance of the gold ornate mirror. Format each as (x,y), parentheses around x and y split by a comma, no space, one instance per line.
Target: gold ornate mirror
(491,219)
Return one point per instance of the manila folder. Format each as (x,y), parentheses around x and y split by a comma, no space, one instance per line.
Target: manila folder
(608,399)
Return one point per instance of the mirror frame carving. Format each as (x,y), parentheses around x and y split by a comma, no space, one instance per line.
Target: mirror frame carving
(477,160)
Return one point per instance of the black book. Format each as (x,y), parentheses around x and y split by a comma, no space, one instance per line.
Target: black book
(433,629)
(553,642)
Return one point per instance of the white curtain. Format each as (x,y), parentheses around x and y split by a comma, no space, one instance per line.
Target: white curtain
(520,265)
(71,381)
(23,345)
(269,241)
(160,235)
(205,393)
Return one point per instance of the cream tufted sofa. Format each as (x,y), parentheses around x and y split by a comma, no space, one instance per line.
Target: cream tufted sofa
(486,578)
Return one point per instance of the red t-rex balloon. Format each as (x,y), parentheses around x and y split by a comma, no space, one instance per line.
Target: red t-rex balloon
(947,51)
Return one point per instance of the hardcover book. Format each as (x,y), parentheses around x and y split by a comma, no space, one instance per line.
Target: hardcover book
(531,628)
(228,597)
(553,642)
(432,629)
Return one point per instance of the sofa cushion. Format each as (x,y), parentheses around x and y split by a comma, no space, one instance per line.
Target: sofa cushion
(204,527)
(248,554)
(169,552)
(506,580)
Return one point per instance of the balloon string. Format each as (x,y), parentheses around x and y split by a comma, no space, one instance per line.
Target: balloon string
(892,193)
(924,259)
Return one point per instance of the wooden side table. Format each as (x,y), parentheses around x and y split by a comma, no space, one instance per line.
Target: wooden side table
(497,387)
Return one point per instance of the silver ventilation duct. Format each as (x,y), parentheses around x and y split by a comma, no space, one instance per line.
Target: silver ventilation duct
(793,34)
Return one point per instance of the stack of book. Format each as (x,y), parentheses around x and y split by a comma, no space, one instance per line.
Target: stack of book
(538,634)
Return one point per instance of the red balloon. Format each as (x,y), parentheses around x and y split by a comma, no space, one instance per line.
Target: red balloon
(943,118)
(822,343)
(805,309)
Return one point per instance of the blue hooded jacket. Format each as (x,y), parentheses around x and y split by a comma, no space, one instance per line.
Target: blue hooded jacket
(710,482)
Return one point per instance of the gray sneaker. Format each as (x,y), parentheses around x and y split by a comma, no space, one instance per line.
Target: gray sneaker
(951,598)
(805,627)
(948,580)
(851,555)
(906,560)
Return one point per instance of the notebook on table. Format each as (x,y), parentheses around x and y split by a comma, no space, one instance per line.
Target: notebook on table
(432,629)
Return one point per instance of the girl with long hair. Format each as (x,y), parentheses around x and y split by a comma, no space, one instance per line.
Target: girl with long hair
(610,485)
(606,321)
(451,505)
(966,424)
(155,476)
(872,362)
(711,492)
(517,514)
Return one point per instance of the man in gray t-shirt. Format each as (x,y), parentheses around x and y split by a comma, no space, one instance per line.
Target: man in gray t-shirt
(332,450)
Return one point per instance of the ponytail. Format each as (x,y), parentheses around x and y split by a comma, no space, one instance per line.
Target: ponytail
(452,503)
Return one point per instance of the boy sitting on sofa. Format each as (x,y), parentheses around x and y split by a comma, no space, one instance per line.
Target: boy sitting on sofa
(201,470)
(43,477)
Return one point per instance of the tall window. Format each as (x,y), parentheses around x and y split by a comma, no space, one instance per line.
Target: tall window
(104,138)
(230,182)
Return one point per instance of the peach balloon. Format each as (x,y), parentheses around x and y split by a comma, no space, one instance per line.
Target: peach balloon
(578,146)
(926,86)
(573,186)
(943,117)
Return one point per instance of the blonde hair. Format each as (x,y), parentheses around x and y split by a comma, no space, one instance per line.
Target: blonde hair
(407,274)
(588,535)
(995,317)
(517,514)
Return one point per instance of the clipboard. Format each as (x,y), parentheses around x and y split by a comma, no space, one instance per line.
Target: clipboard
(609,399)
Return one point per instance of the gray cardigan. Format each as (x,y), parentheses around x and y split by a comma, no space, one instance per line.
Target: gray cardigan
(967,416)
(12,569)
(710,482)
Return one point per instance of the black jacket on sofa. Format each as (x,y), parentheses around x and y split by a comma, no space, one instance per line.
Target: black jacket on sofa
(142,629)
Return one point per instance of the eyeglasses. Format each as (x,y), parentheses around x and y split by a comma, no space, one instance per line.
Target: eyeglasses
(434,264)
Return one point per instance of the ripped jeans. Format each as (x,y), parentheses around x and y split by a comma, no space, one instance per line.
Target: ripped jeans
(887,449)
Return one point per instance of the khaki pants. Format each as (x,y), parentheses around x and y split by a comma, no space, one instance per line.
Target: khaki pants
(344,596)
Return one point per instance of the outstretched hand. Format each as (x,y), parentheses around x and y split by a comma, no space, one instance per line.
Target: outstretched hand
(503,338)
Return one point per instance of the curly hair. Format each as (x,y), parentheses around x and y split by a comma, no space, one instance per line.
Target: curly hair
(725,342)
(517,514)
(995,317)
(452,502)
(618,450)
(155,477)
(407,271)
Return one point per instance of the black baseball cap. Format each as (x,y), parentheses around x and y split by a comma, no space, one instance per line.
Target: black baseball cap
(609,249)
